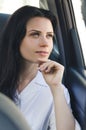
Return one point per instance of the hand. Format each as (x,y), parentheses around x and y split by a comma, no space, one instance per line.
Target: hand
(52,72)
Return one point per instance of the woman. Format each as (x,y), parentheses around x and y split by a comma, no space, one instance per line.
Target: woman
(28,77)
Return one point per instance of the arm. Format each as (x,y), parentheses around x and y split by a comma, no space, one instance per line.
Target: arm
(64,117)
(53,73)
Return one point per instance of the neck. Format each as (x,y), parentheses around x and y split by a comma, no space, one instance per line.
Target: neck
(28,71)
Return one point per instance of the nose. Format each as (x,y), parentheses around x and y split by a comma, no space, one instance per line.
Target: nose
(43,41)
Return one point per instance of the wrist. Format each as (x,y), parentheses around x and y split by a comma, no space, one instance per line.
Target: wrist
(57,90)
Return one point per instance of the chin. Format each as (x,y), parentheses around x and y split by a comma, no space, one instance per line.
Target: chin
(42,60)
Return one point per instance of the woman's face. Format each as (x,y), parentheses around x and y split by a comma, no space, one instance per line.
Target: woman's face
(37,44)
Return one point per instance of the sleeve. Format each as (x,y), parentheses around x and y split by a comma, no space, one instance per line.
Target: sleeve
(52,124)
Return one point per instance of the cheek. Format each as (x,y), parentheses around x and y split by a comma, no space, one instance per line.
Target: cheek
(51,47)
(22,51)
(24,48)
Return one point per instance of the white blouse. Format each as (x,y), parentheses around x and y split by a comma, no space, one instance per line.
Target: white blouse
(36,103)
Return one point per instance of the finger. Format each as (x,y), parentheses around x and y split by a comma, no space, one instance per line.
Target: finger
(44,66)
(51,68)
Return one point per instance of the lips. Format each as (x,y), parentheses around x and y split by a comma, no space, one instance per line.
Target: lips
(43,53)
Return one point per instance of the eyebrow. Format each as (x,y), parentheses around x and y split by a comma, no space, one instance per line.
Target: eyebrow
(38,31)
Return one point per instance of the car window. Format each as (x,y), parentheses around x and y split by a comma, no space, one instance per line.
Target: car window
(15,4)
(77,5)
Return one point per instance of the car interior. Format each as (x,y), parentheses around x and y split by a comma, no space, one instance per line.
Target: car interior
(10,116)
(67,51)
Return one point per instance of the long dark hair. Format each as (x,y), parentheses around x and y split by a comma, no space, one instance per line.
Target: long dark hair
(10,41)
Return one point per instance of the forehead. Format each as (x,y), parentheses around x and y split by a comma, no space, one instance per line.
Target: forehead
(39,23)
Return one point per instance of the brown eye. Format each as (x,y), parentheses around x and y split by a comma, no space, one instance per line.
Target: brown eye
(35,34)
(50,36)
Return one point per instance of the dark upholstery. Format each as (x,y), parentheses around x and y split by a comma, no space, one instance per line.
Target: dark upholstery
(3,19)
(77,89)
